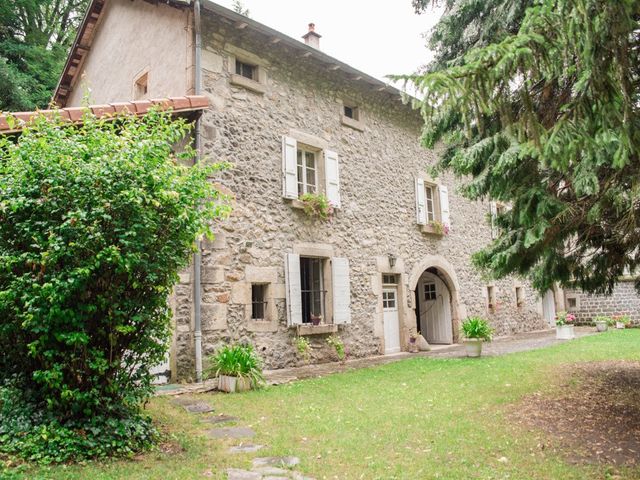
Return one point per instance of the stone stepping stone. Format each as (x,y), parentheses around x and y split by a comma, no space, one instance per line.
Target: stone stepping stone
(275,462)
(299,476)
(248,448)
(220,419)
(273,471)
(199,407)
(237,474)
(271,477)
(231,432)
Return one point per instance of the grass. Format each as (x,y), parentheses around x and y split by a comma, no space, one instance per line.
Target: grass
(417,418)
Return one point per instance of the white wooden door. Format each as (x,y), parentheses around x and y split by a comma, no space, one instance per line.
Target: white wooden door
(435,310)
(549,308)
(390,318)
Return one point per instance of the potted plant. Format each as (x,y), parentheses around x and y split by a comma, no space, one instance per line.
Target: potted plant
(476,330)
(316,319)
(564,326)
(238,368)
(316,205)
(622,321)
(602,323)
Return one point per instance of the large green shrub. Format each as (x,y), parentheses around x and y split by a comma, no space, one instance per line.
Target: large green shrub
(96,221)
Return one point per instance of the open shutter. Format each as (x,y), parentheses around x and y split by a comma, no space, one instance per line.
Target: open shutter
(444,205)
(421,201)
(293,289)
(493,207)
(289,167)
(332,177)
(341,291)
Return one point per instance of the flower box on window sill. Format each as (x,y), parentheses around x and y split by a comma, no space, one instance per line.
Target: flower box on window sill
(309,329)
(431,230)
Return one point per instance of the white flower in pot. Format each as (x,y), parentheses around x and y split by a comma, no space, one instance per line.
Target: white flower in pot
(476,330)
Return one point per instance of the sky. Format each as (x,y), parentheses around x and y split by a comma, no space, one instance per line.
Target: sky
(378,37)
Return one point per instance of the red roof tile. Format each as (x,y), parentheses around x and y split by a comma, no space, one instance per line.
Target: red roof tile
(74,114)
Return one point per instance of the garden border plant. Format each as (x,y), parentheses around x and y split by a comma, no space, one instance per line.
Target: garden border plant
(96,221)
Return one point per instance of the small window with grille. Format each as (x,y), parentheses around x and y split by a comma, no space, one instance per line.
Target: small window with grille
(258,301)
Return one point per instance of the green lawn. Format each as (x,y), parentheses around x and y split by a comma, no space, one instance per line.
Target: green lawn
(414,419)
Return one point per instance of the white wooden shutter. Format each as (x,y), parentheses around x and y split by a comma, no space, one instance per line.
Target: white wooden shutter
(493,208)
(341,290)
(444,205)
(332,177)
(289,167)
(293,289)
(421,202)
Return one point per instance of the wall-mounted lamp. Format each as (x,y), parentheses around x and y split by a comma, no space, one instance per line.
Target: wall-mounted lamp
(392,260)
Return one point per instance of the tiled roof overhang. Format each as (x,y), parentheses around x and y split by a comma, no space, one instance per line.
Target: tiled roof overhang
(177,105)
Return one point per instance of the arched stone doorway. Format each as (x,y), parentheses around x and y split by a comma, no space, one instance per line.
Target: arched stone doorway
(436,311)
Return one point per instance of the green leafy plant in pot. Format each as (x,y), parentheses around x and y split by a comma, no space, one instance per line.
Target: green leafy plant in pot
(603,323)
(238,368)
(476,330)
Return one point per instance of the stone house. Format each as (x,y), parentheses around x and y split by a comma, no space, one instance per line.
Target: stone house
(394,258)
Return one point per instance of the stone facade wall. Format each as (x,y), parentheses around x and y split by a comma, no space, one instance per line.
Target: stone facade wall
(623,300)
(378,166)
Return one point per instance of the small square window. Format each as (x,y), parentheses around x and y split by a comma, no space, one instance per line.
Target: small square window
(572,302)
(141,87)
(246,70)
(351,112)
(258,301)
(429,291)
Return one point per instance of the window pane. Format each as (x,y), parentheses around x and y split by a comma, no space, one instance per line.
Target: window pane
(258,302)
(310,159)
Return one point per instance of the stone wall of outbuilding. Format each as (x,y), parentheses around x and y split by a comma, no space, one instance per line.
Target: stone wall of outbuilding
(623,300)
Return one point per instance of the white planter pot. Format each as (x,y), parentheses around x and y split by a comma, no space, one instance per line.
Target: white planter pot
(473,346)
(565,332)
(620,325)
(227,384)
(601,326)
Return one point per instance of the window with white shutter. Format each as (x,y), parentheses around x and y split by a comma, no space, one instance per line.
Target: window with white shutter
(293,289)
(332,175)
(421,211)
(289,167)
(444,206)
(341,287)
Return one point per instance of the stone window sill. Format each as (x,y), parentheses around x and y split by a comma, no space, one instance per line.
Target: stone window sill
(260,326)
(247,83)
(308,329)
(295,203)
(352,123)
(430,230)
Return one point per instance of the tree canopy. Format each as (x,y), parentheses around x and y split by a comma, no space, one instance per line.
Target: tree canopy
(547,122)
(467,24)
(35,36)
